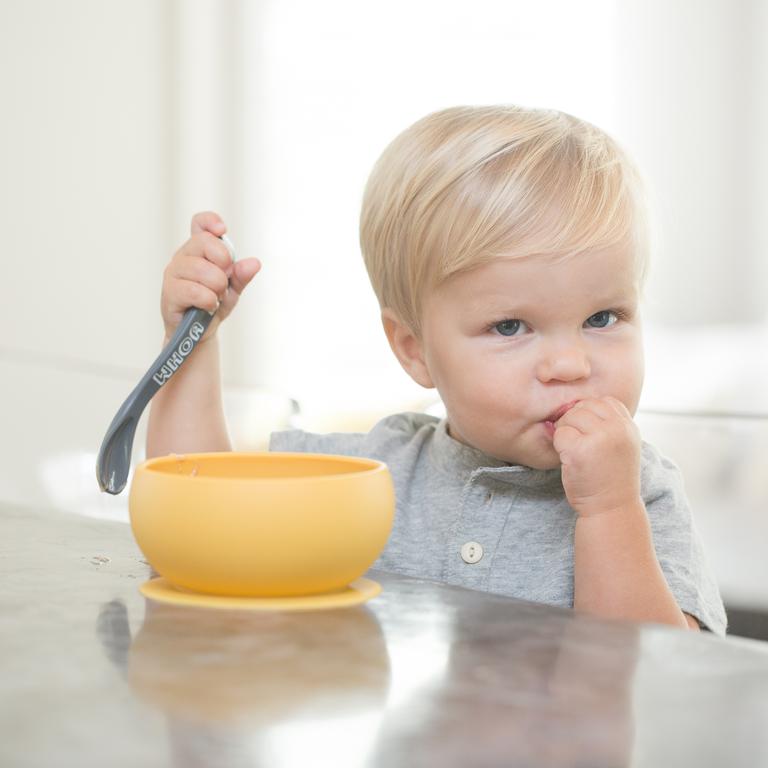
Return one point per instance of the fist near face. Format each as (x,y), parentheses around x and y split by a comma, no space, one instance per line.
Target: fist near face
(599,448)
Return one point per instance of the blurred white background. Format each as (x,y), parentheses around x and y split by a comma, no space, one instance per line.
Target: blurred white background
(121,118)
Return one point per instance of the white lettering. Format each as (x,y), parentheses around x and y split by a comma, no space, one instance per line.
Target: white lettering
(186,345)
(175,360)
(162,375)
(196,331)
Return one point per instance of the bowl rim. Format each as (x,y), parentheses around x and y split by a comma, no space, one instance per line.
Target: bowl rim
(367,466)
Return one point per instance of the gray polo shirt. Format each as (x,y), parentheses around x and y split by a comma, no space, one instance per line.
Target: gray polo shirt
(468,519)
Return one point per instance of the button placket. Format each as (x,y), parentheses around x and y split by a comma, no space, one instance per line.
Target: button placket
(477,532)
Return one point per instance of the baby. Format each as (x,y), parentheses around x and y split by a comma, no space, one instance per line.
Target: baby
(507,248)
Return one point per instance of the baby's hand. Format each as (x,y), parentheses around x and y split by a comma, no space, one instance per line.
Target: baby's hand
(197,275)
(599,447)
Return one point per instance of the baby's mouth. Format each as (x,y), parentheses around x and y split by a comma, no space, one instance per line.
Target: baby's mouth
(561,411)
(556,415)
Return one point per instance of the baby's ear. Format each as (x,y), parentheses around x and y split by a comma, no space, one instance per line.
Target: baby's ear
(407,348)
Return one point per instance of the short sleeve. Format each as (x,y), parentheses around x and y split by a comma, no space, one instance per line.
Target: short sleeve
(386,441)
(677,542)
(298,441)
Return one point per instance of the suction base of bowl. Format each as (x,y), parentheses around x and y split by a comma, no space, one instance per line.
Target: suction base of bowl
(359,591)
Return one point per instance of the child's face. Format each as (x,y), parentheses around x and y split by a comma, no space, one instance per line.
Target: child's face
(511,343)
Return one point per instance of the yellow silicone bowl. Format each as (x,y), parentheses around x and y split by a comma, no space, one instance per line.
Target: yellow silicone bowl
(261,524)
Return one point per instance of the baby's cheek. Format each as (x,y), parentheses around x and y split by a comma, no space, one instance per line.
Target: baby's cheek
(626,382)
(636,376)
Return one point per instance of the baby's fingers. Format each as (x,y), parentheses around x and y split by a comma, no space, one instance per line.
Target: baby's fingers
(204,245)
(189,293)
(617,406)
(200,271)
(208,221)
(584,420)
(243,272)
(564,440)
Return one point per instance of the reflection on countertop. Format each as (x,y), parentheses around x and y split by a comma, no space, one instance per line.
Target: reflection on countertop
(235,678)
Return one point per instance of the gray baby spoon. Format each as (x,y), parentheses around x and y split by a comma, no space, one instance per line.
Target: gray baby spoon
(114,459)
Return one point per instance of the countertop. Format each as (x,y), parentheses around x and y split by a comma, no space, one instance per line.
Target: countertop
(422,675)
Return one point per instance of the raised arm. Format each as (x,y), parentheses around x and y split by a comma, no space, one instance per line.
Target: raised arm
(187,414)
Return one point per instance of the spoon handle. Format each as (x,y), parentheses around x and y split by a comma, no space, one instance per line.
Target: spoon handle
(114,458)
(188,333)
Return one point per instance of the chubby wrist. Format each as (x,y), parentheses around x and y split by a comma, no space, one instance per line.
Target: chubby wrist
(209,335)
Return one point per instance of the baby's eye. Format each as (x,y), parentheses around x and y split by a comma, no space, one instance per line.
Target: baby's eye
(601,319)
(510,327)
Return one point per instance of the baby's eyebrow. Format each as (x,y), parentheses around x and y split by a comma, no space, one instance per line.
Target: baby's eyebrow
(506,311)
(612,301)
(496,302)
(613,295)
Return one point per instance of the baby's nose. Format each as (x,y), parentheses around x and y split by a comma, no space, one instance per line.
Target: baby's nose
(565,360)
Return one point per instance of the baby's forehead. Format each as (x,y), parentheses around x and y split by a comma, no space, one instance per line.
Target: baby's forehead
(615,262)
(609,274)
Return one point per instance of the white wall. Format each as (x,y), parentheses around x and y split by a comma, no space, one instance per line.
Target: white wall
(693,108)
(120,120)
(86,187)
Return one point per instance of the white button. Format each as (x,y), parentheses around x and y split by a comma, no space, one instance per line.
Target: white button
(471,552)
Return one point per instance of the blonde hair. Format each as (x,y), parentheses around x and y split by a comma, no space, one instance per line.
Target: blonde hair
(467,185)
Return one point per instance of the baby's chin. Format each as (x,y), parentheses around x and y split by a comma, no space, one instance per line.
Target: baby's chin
(544,464)
(531,459)
(538,457)
(532,462)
